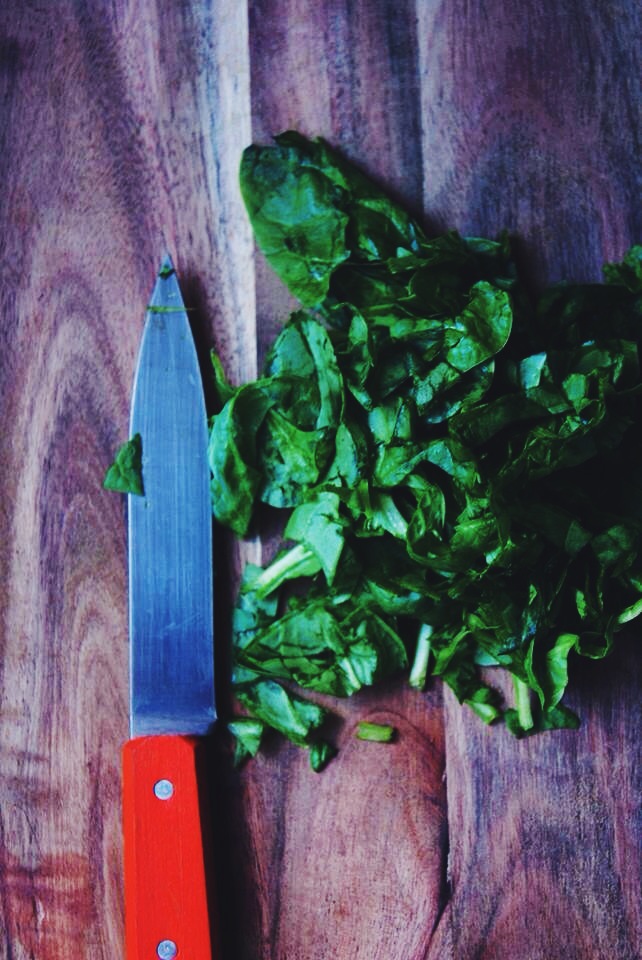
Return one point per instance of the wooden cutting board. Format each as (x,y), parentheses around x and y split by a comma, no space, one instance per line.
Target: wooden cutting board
(121,128)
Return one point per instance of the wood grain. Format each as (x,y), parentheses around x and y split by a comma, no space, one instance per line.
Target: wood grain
(344,862)
(544,832)
(349,73)
(535,127)
(113,120)
(531,123)
(121,129)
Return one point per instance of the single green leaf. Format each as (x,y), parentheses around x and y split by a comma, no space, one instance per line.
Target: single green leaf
(247,733)
(317,524)
(232,455)
(295,218)
(484,702)
(321,753)
(292,460)
(304,352)
(269,702)
(555,677)
(125,475)
(481,329)
(224,390)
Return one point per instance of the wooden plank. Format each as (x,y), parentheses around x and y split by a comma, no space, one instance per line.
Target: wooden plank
(346,863)
(121,126)
(509,139)
(351,862)
(531,122)
(545,832)
(347,71)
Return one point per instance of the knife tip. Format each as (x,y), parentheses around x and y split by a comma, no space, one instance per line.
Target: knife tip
(166,267)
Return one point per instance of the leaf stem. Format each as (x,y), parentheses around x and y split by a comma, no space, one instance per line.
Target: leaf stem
(631,612)
(523,703)
(376,732)
(299,561)
(419,669)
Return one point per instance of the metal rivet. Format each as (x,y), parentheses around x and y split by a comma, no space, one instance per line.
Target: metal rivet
(166,949)
(163,789)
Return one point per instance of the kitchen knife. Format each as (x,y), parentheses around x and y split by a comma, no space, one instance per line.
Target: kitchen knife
(172,707)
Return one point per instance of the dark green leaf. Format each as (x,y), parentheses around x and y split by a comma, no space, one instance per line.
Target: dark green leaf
(628,273)
(295,718)
(125,475)
(247,733)
(317,524)
(481,329)
(321,753)
(292,459)
(232,455)
(296,220)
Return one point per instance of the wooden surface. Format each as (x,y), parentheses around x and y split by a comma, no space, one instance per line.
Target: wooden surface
(121,128)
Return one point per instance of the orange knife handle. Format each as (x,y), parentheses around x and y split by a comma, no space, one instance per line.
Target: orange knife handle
(165,825)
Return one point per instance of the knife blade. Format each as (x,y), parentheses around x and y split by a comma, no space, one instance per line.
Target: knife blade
(172,703)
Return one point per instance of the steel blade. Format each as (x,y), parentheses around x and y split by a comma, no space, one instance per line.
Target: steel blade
(170,530)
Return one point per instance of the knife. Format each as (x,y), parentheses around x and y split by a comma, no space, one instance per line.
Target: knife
(172,705)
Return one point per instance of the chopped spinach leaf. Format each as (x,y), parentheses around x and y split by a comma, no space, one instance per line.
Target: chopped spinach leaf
(376,732)
(247,733)
(460,459)
(125,475)
(321,754)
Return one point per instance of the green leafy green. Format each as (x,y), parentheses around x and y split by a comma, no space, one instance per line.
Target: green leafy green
(276,707)
(247,733)
(460,459)
(376,732)
(125,475)
(321,753)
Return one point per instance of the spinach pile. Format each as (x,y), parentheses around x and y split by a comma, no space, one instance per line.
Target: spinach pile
(459,459)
